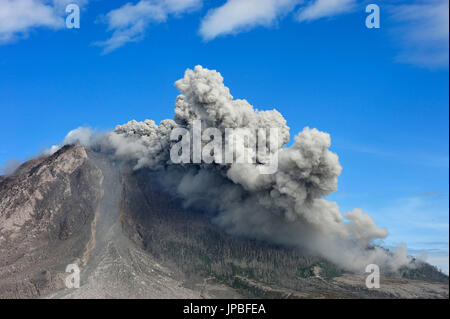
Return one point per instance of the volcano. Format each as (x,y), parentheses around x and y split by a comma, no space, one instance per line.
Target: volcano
(132,238)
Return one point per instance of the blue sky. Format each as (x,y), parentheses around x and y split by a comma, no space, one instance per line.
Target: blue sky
(382,93)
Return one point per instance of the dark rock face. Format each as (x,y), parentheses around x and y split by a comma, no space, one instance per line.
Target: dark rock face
(190,243)
(46,210)
(131,239)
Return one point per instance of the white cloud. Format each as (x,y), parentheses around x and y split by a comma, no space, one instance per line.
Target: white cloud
(179,6)
(324,8)
(241,15)
(60,5)
(129,22)
(238,15)
(423,32)
(19,17)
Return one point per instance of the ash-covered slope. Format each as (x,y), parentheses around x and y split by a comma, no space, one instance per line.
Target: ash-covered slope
(46,212)
(188,241)
(133,239)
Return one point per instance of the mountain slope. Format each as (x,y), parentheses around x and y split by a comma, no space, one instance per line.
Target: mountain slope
(132,239)
(46,210)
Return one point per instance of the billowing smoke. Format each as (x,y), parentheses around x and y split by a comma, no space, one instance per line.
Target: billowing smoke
(286,207)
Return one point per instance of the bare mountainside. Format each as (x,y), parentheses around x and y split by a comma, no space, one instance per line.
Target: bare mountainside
(132,239)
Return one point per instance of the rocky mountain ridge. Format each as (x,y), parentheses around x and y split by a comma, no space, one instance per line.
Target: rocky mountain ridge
(133,240)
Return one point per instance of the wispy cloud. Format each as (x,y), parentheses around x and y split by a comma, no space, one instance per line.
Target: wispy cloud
(421,222)
(324,8)
(421,26)
(241,15)
(418,219)
(404,156)
(423,31)
(19,17)
(129,22)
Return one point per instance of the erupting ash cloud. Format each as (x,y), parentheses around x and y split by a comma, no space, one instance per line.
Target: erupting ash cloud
(287,207)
